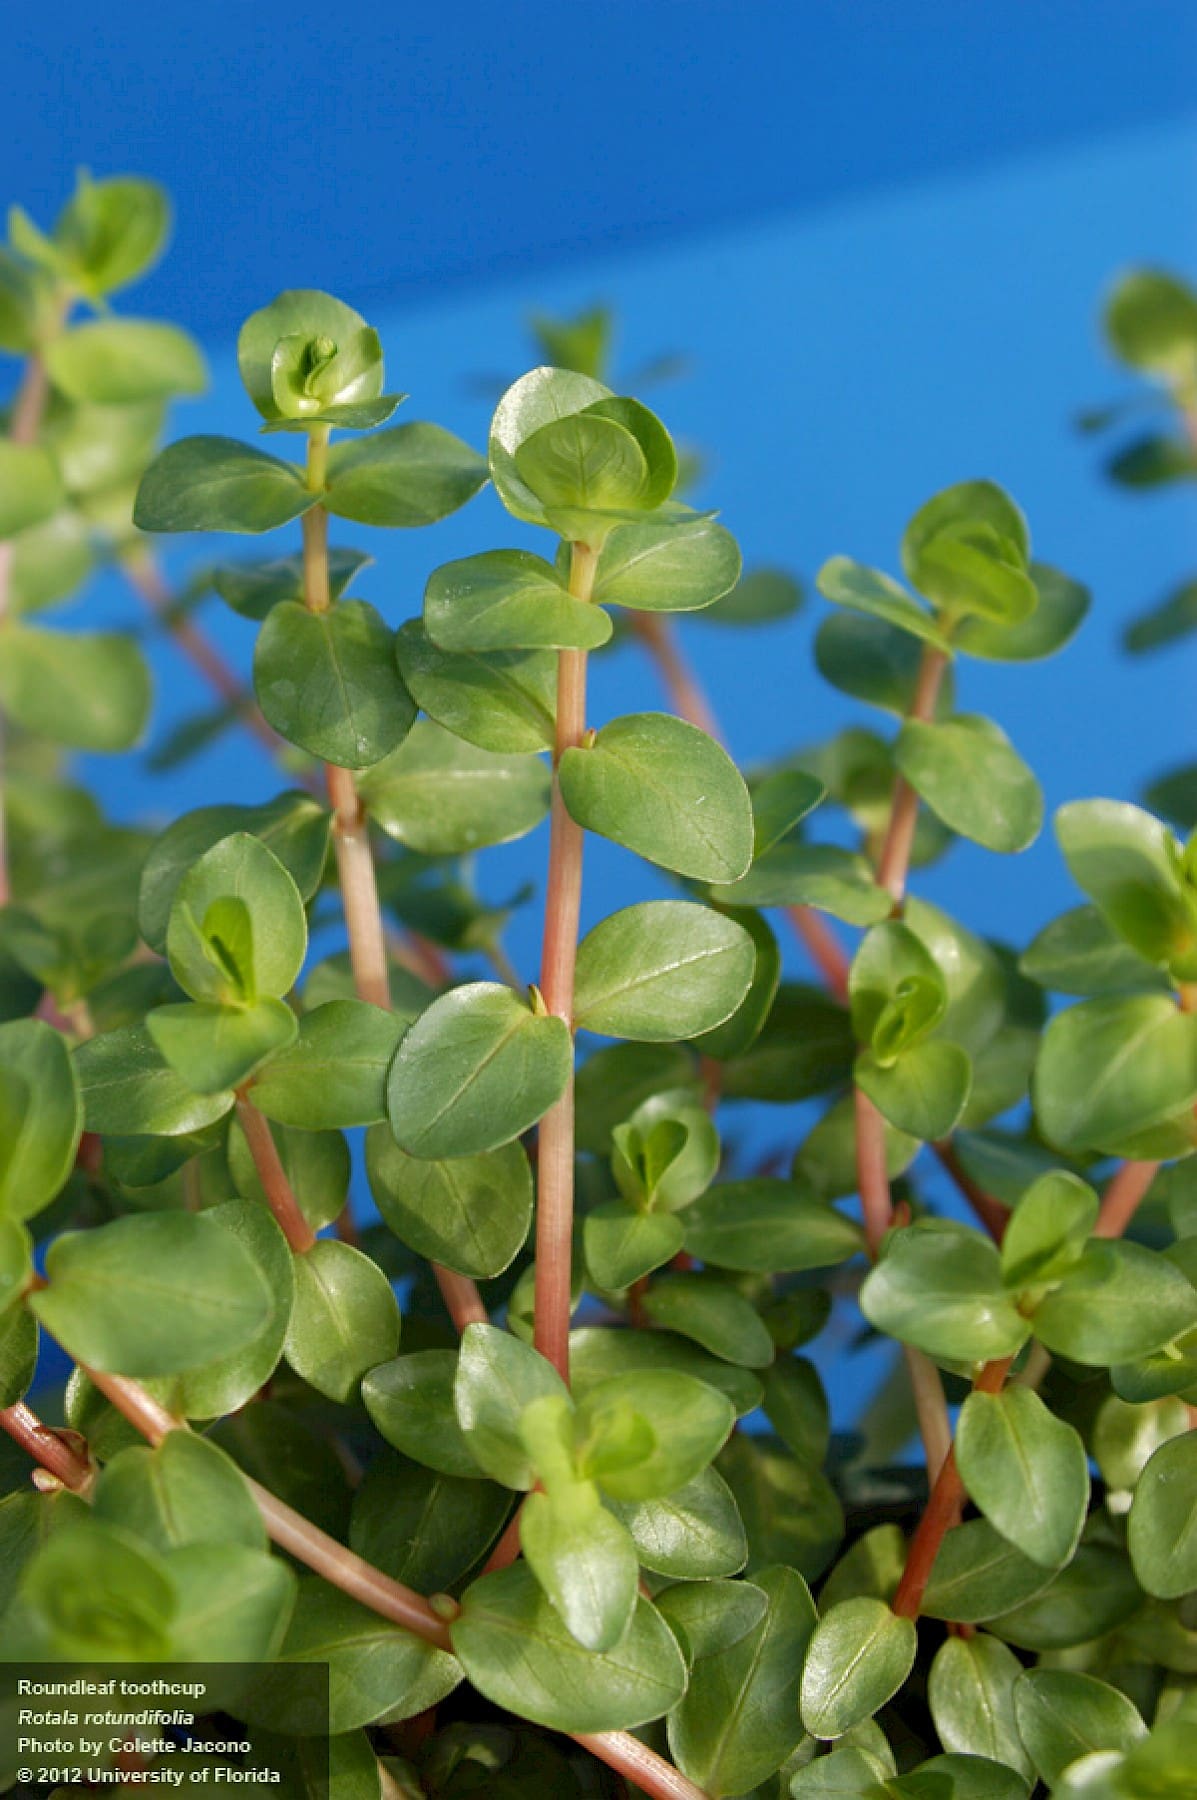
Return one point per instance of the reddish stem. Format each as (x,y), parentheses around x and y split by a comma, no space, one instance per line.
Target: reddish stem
(1121,1199)
(280,1195)
(359,889)
(563,902)
(941,1512)
(894,863)
(642,1766)
(51,1450)
(992,1214)
(145,579)
(872,1175)
(462,1298)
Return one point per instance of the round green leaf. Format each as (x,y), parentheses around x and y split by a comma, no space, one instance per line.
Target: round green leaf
(1119,1074)
(662,970)
(970,1690)
(1151,323)
(693,1534)
(185,1491)
(497,1378)
(252,588)
(508,600)
(503,700)
(1027,1471)
(1116,1303)
(1048,1229)
(825,876)
(214,1047)
(865,590)
(971,778)
(233,1603)
(122,361)
(597,1355)
(923,1092)
(1059,615)
(537,399)
(1092,1595)
(471,1213)
(765,1224)
(858,1657)
(938,1286)
(421,1527)
(301,317)
(1127,862)
(237,927)
(739,1719)
(443,797)
(218,484)
(344,1321)
(1063,1715)
(411,1402)
(1081,953)
(519,1654)
(88,689)
(978,1575)
(585,1562)
(130,1090)
(334,1075)
(91,1593)
(151,1293)
(666,790)
(714,1315)
(407,476)
(328,682)
(112,231)
(689,1422)
(622,1245)
(1162,1527)
(474,1072)
(673,568)
(759,598)
(41,1116)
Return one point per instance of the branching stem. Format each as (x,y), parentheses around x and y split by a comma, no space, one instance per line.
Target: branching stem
(559,955)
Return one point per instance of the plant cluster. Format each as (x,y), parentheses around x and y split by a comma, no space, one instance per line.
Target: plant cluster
(536,1465)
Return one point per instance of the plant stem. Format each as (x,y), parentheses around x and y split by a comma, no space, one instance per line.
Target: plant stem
(355,859)
(25,422)
(563,902)
(689,700)
(390,1599)
(359,889)
(1120,1202)
(145,578)
(992,1214)
(940,1515)
(49,1449)
(280,1195)
(894,863)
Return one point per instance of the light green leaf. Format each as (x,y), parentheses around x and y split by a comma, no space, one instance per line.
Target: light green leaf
(497,1378)
(151,1294)
(1151,323)
(1080,953)
(31,488)
(859,1656)
(662,970)
(1162,1527)
(218,484)
(442,797)
(471,1213)
(673,568)
(344,1321)
(1116,1303)
(475,1071)
(765,1224)
(328,682)
(410,475)
(585,1562)
(1048,1229)
(518,1653)
(130,1090)
(688,1424)
(88,689)
(923,1092)
(237,927)
(1063,1715)
(972,779)
(738,1721)
(1128,863)
(334,1075)
(270,349)
(504,700)
(938,1286)
(970,1690)
(213,1047)
(821,875)
(1027,1471)
(122,361)
(1061,611)
(1119,1074)
(865,590)
(184,1491)
(779,802)
(537,399)
(41,1116)
(508,600)
(664,789)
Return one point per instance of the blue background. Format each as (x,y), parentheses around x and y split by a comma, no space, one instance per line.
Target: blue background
(879,235)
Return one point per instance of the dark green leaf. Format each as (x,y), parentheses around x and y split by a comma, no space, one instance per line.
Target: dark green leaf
(504,701)
(766,1225)
(471,1213)
(218,484)
(334,1075)
(328,682)
(859,1655)
(970,776)
(662,970)
(410,475)
(443,797)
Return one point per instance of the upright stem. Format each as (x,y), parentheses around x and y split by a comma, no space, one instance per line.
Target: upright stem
(563,902)
(894,863)
(145,578)
(25,421)
(280,1195)
(1120,1202)
(355,859)
(940,1515)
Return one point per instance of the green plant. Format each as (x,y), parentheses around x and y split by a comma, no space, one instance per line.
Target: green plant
(556,1531)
